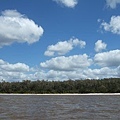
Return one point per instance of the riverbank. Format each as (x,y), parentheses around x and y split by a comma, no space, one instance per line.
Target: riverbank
(111,85)
(63,94)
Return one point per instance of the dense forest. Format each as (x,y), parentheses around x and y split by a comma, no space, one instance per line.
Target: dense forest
(111,85)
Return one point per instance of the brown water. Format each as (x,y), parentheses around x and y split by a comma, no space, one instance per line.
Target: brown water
(52,107)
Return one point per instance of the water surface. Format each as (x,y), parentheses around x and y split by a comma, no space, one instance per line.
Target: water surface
(66,107)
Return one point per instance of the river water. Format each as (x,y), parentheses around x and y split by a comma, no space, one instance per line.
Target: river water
(59,107)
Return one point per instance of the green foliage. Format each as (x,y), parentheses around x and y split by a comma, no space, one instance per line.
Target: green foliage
(111,85)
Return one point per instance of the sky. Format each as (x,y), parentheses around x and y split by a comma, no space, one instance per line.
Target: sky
(59,39)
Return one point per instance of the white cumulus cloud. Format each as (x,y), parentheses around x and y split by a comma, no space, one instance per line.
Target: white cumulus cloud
(99,46)
(113,26)
(63,47)
(60,48)
(67,3)
(112,3)
(16,27)
(70,63)
(14,67)
(104,72)
(88,73)
(11,72)
(64,68)
(108,59)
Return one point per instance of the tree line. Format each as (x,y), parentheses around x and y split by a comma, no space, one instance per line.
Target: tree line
(111,85)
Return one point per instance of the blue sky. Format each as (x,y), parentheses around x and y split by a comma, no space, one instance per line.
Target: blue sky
(59,39)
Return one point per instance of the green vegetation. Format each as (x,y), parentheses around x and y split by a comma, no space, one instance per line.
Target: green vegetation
(111,85)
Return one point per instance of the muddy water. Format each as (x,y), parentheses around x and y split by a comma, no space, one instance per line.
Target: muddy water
(52,107)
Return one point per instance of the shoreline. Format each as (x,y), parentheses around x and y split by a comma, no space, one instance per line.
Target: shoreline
(62,94)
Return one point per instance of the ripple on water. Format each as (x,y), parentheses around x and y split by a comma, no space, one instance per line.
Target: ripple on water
(59,107)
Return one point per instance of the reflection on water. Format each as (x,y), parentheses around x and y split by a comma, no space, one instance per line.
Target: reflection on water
(40,107)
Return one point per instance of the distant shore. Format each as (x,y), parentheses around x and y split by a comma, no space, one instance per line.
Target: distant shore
(63,94)
(108,86)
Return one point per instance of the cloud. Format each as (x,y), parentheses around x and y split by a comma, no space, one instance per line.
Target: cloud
(14,67)
(88,73)
(108,59)
(67,3)
(112,3)
(13,71)
(16,27)
(113,26)
(99,46)
(60,48)
(70,63)
(101,73)
(64,68)
(63,47)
